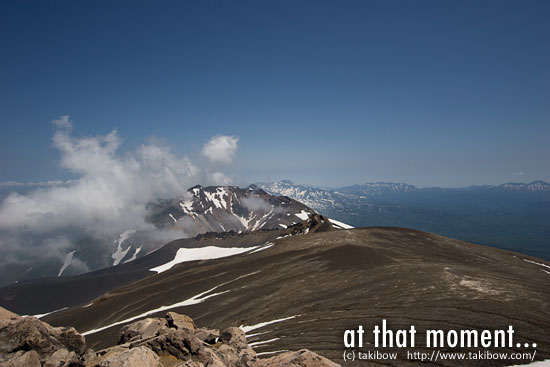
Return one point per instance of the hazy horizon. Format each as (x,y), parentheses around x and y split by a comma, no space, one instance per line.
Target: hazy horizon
(43,184)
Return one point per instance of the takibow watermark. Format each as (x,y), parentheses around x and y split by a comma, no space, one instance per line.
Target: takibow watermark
(434,339)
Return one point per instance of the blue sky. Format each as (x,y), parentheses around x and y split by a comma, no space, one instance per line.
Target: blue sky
(432,93)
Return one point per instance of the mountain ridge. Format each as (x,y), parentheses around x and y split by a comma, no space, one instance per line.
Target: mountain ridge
(509,216)
(202,210)
(319,284)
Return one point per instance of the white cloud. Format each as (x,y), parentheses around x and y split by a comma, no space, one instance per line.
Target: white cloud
(256,204)
(111,191)
(63,122)
(109,194)
(221,148)
(218,178)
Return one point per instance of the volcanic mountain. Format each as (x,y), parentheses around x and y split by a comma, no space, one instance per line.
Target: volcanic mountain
(200,210)
(227,208)
(291,290)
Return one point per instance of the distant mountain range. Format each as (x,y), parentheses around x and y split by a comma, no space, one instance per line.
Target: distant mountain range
(513,216)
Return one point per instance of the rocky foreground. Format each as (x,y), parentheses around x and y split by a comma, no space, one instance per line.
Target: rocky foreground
(173,341)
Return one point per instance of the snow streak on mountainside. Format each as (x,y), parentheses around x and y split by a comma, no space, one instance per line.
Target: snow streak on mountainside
(229,208)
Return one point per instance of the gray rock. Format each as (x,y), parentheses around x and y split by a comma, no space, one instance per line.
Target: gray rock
(143,329)
(63,358)
(229,356)
(152,342)
(236,338)
(7,317)
(186,364)
(89,356)
(20,358)
(301,358)
(70,338)
(214,359)
(178,321)
(28,333)
(135,357)
(181,344)
(209,336)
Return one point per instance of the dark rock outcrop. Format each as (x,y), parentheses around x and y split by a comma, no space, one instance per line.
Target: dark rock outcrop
(174,341)
(143,329)
(27,341)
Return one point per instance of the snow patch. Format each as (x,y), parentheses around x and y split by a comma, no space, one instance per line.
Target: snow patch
(217,198)
(134,256)
(265,247)
(119,254)
(187,207)
(263,342)
(47,313)
(536,263)
(256,334)
(303,215)
(68,260)
(246,329)
(202,253)
(199,298)
(340,224)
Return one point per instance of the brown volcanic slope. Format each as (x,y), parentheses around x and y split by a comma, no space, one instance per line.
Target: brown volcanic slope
(47,294)
(337,280)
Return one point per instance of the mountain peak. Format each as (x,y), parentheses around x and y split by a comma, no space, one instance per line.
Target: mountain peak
(229,208)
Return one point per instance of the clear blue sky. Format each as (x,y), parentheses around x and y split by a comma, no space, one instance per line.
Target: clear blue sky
(447,93)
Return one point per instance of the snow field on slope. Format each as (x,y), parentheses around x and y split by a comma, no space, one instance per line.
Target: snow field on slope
(202,253)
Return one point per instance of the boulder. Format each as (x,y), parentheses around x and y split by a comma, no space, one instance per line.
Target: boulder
(181,344)
(135,357)
(63,358)
(173,341)
(184,364)
(28,333)
(178,321)
(229,356)
(236,338)
(69,337)
(143,329)
(7,317)
(20,358)
(209,336)
(214,359)
(301,358)
(51,346)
